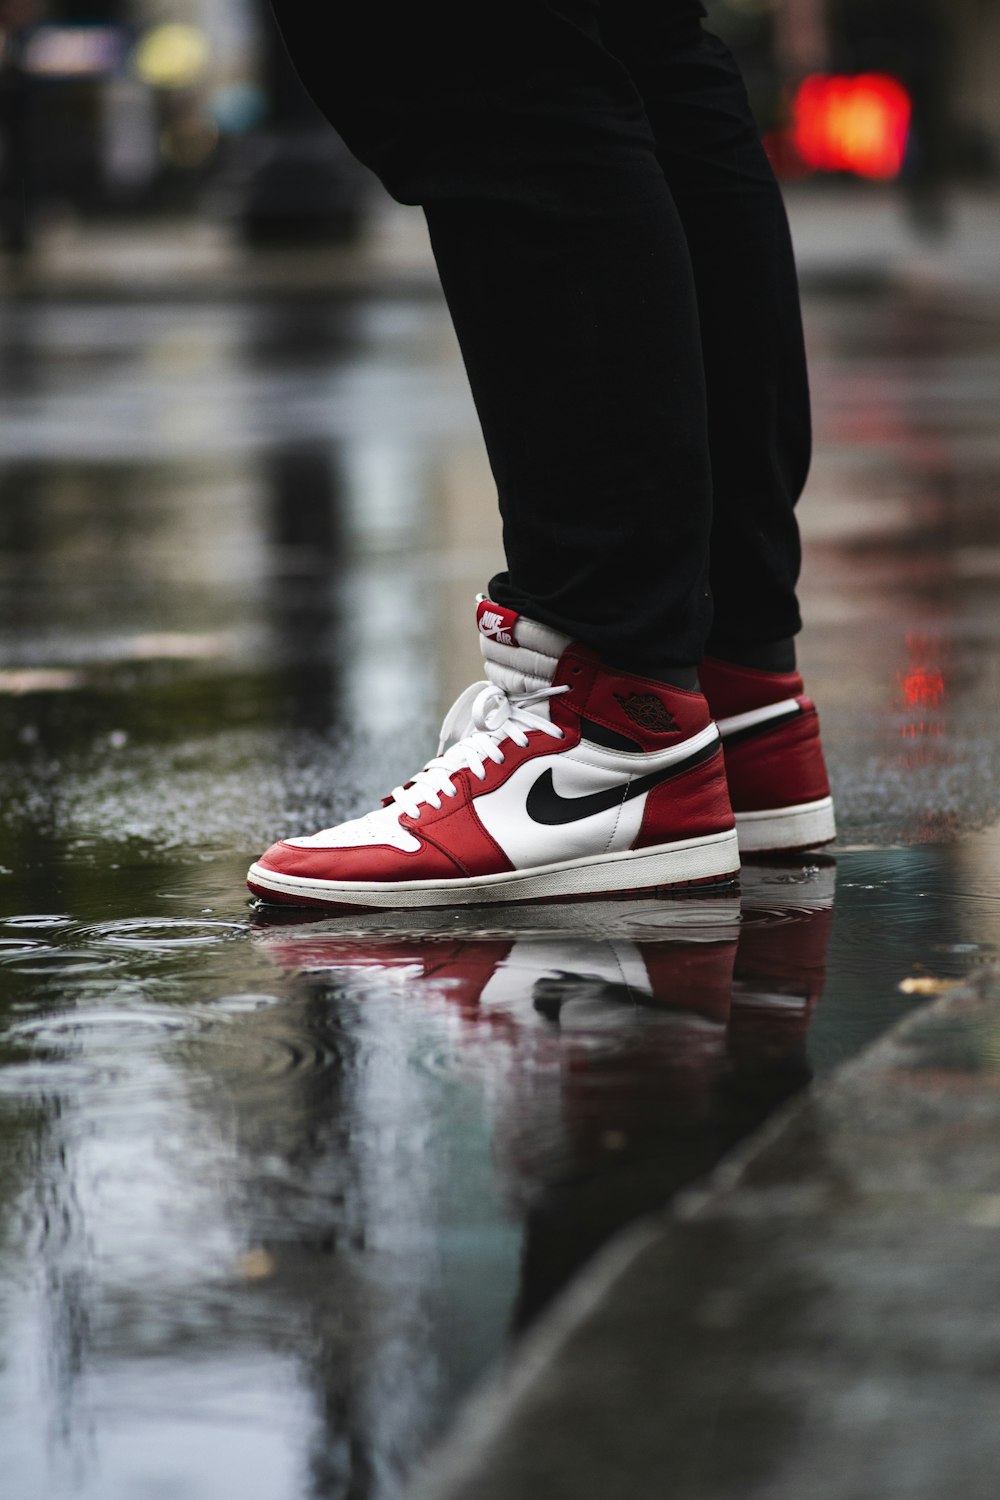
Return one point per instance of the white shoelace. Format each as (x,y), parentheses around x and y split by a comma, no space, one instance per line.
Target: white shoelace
(478,722)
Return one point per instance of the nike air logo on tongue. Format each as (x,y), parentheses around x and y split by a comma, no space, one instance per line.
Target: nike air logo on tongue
(497,623)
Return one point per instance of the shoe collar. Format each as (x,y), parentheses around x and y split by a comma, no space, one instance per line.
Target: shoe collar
(520,655)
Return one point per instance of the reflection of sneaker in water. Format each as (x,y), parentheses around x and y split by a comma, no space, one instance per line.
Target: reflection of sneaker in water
(615,1031)
(564,779)
(774,758)
(592,990)
(656,1114)
(577,967)
(781,961)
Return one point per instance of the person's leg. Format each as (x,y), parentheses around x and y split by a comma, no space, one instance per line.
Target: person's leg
(758,412)
(584,765)
(751,328)
(567,274)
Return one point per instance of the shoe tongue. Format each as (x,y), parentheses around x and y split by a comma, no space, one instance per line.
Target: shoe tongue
(497,623)
(519,654)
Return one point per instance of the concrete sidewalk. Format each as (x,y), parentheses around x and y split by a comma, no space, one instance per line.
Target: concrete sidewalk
(850,234)
(820,1321)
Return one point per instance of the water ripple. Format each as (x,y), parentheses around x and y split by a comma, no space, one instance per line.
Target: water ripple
(54,1030)
(162,934)
(43,921)
(45,1077)
(267,1054)
(46,960)
(11,947)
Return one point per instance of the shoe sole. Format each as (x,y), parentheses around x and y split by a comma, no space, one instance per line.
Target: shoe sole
(713,859)
(804,826)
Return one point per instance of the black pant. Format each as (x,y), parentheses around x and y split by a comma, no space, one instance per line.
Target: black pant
(615,254)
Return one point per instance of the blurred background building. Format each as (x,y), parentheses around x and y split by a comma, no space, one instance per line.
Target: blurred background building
(111,107)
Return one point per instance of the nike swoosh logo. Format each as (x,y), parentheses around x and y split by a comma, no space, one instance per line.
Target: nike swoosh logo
(544,804)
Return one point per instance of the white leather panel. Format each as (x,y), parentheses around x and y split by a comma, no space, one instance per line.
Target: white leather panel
(575,773)
(379,827)
(755,716)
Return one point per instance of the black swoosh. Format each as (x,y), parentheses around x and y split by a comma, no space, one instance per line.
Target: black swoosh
(543,803)
(600,734)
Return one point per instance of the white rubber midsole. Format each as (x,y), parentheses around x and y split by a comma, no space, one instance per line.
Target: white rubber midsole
(714,856)
(798,827)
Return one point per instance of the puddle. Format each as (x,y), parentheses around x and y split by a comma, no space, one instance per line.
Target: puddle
(348,1149)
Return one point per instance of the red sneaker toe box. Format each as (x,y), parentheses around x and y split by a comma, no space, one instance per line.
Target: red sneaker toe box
(368,862)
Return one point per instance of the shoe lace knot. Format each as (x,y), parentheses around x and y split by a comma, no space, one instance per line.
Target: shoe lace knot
(474,729)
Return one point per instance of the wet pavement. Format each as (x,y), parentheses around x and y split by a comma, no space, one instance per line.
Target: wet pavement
(812,1320)
(272,1193)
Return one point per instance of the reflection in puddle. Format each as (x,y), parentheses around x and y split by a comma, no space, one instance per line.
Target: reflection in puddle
(371,1161)
(623,1046)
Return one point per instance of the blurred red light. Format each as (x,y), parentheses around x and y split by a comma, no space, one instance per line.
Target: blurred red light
(842,123)
(923,687)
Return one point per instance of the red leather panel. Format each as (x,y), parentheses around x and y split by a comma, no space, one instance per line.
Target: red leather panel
(688,806)
(648,712)
(736,690)
(372,862)
(779,768)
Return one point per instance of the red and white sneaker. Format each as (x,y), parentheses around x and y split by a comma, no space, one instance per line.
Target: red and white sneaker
(561,778)
(774,759)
